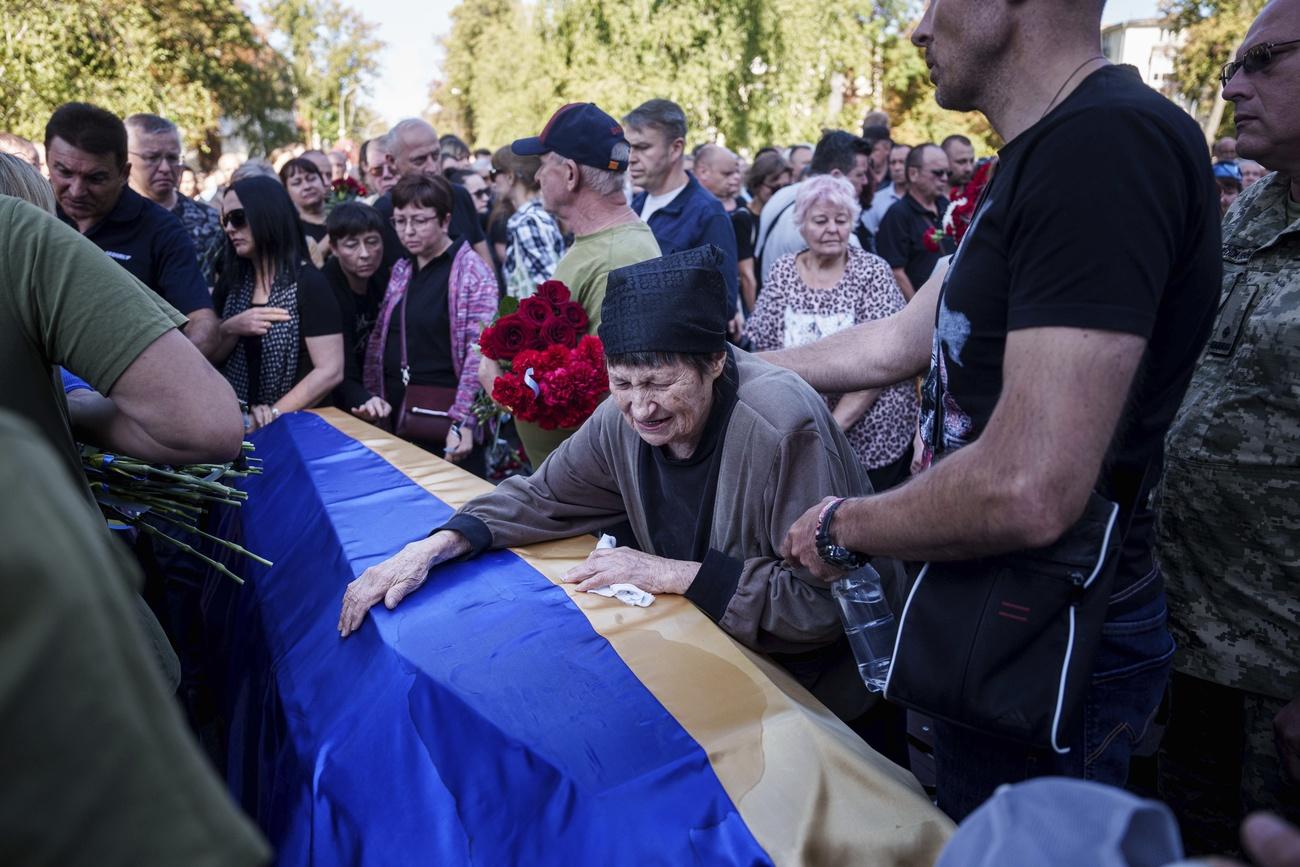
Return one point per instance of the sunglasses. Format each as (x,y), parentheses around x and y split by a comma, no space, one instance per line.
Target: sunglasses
(481,194)
(235,219)
(941,174)
(1256,59)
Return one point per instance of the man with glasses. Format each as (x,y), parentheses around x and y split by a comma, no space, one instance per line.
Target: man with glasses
(154,144)
(911,235)
(87,151)
(1229,507)
(378,170)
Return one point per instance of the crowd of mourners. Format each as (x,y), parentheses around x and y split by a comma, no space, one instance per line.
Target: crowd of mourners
(820,355)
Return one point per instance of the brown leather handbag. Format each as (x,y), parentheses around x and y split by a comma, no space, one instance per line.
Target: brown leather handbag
(424,415)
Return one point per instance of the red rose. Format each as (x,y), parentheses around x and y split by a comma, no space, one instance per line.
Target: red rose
(574,315)
(553,292)
(535,310)
(559,332)
(931,239)
(512,334)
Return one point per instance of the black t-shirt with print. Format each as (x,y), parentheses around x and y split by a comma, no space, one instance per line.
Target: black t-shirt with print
(1069,236)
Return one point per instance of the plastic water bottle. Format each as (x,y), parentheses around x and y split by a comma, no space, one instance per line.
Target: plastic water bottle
(868,622)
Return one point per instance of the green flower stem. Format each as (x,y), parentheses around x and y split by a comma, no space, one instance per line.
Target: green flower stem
(189,549)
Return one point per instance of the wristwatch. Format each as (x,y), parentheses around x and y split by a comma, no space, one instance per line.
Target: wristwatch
(832,554)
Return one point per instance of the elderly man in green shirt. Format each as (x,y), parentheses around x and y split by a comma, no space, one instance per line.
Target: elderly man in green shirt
(1229,517)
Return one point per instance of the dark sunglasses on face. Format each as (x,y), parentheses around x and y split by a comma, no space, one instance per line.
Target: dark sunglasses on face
(235,219)
(941,174)
(481,194)
(1256,59)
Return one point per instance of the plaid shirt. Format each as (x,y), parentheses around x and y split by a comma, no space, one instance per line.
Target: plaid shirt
(204,225)
(534,246)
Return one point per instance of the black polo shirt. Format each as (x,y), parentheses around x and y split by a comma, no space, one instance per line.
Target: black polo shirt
(901,239)
(147,240)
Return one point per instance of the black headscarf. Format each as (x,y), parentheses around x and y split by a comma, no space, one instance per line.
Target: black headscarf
(676,303)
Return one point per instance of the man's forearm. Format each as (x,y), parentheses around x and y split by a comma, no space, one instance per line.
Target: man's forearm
(98,421)
(856,359)
(968,505)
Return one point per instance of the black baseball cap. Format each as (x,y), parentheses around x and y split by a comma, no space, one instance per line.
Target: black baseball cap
(581,132)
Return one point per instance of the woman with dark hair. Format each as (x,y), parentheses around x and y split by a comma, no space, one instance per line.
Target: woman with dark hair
(355,274)
(281,339)
(438,300)
(307,189)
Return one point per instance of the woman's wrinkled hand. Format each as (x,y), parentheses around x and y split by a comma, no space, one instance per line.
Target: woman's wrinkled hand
(394,579)
(255,321)
(657,575)
(375,409)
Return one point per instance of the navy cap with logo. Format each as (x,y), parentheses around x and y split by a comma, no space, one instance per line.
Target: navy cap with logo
(581,132)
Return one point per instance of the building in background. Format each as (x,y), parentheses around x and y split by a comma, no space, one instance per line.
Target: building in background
(1149,45)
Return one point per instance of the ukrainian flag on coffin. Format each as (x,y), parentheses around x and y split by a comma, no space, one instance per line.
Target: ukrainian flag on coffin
(497,718)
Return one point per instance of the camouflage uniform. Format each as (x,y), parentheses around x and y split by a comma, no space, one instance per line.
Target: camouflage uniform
(1228,533)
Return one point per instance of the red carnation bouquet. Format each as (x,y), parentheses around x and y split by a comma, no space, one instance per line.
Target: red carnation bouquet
(553,374)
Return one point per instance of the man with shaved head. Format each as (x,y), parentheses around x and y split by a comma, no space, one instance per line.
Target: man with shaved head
(414,148)
(1228,519)
(1057,347)
(718,171)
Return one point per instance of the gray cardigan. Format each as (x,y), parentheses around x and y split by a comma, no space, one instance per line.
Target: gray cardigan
(782,453)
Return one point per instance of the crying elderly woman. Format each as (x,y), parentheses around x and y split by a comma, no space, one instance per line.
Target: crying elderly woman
(707,452)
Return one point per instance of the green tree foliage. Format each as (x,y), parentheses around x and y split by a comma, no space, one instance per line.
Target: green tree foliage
(1212,30)
(334,56)
(194,61)
(747,72)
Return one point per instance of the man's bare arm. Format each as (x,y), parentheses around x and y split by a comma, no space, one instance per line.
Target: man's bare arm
(180,401)
(1025,481)
(874,354)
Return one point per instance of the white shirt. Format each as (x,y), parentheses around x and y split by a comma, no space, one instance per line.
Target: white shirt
(654,203)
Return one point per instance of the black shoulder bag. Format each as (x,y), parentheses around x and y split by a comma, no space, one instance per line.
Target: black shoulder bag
(1005,644)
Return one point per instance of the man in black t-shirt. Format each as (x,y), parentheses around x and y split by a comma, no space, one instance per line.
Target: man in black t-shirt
(1059,345)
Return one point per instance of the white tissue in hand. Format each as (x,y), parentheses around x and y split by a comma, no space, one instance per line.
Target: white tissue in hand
(628,594)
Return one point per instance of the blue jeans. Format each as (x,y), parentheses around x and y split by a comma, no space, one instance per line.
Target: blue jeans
(1132,667)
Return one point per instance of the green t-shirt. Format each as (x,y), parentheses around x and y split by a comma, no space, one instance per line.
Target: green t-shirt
(586,266)
(64,302)
(585,270)
(98,765)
